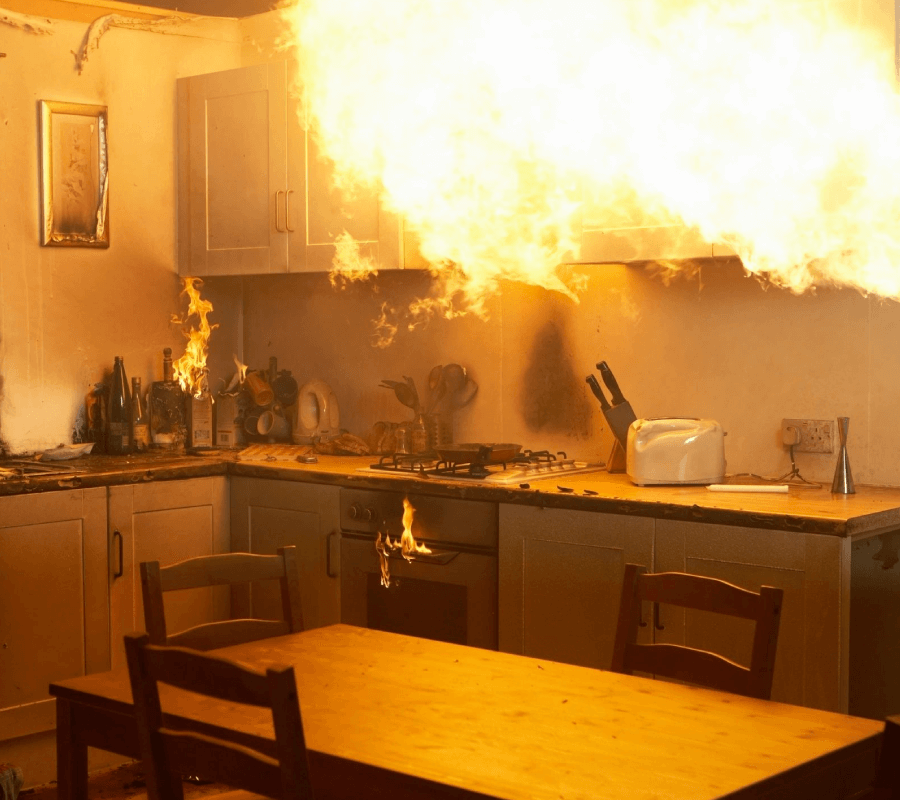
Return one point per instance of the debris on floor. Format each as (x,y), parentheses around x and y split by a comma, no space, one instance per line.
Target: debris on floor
(122,783)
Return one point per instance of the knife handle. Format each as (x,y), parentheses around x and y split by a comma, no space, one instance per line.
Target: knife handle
(611,383)
(598,392)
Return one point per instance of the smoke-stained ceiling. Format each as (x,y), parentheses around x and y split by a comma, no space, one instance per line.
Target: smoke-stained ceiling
(214,8)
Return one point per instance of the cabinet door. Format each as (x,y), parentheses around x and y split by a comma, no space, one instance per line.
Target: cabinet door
(53,596)
(333,212)
(561,580)
(235,216)
(625,232)
(266,515)
(168,522)
(813,570)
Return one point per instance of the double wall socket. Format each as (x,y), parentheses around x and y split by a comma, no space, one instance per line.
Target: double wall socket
(808,435)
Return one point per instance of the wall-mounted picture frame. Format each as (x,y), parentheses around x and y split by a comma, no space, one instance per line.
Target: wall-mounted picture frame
(74,175)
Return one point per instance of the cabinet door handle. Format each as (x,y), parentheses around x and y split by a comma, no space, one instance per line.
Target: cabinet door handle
(277,207)
(656,621)
(287,210)
(328,543)
(121,570)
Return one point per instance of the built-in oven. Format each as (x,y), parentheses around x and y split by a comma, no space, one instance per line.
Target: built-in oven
(448,594)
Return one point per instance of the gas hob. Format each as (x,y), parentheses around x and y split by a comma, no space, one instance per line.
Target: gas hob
(527,467)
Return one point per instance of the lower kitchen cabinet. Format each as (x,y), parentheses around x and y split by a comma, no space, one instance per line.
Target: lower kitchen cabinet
(561,579)
(814,572)
(168,522)
(561,576)
(268,514)
(53,601)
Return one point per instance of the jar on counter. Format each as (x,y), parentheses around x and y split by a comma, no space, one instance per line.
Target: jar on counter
(418,436)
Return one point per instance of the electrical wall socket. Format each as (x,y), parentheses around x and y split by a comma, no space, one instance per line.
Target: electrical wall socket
(816,435)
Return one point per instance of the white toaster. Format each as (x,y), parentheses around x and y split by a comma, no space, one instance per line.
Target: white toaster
(675,450)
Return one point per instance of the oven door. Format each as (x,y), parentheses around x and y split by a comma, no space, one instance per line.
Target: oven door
(450,597)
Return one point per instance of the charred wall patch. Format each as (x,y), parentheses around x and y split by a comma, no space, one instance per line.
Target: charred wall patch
(552,397)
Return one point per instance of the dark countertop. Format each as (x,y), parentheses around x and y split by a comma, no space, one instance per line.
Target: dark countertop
(92,471)
(870,511)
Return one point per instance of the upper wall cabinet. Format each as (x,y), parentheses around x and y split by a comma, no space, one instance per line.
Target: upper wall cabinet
(627,232)
(254,195)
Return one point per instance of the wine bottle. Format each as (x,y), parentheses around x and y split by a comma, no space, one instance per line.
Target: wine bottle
(140,426)
(166,403)
(118,437)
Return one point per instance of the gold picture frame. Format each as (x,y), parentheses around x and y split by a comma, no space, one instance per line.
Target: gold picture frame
(74,175)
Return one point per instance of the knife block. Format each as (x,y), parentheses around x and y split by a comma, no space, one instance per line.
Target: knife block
(616,461)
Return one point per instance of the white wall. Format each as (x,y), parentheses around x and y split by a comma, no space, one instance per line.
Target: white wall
(717,345)
(66,312)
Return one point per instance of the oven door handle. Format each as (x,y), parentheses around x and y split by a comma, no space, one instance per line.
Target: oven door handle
(437,557)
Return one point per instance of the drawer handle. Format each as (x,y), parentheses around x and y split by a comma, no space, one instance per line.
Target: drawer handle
(328,542)
(656,621)
(121,571)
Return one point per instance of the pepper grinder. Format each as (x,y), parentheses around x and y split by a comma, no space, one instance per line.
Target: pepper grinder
(843,478)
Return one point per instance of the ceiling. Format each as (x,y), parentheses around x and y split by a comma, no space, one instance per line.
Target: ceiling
(213,8)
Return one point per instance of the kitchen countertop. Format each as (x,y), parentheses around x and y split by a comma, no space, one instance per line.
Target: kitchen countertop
(92,471)
(871,510)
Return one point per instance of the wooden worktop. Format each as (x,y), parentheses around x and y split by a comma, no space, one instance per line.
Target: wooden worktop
(807,509)
(804,509)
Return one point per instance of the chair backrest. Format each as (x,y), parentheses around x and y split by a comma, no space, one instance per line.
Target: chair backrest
(219,570)
(887,782)
(686,663)
(206,749)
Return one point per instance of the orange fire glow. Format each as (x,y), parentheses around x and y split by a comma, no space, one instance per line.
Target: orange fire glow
(499,128)
(190,370)
(406,544)
(348,265)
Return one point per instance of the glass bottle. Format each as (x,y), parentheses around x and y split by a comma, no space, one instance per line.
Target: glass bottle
(166,406)
(140,426)
(118,430)
(418,436)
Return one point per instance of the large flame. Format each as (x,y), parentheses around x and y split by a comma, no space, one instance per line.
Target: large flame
(497,128)
(190,370)
(406,544)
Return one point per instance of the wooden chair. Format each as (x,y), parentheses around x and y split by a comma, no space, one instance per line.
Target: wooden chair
(689,664)
(212,751)
(218,570)
(887,781)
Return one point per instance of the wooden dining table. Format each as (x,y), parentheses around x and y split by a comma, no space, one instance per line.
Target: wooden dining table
(387,715)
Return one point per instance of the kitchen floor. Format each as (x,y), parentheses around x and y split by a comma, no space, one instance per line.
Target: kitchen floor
(122,783)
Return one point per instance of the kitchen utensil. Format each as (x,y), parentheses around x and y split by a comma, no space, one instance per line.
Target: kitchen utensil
(259,388)
(455,377)
(843,478)
(620,414)
(273,425)
(463,396)
(598,392)
(477,453)
(437,388)
(317,412)
(405,392)
(285,388)
(675,450)
(770,488)
(440,430)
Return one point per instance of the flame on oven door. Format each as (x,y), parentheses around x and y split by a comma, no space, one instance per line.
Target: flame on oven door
(406,544)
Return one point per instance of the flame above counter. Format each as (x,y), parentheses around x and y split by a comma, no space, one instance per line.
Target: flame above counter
(498,128)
